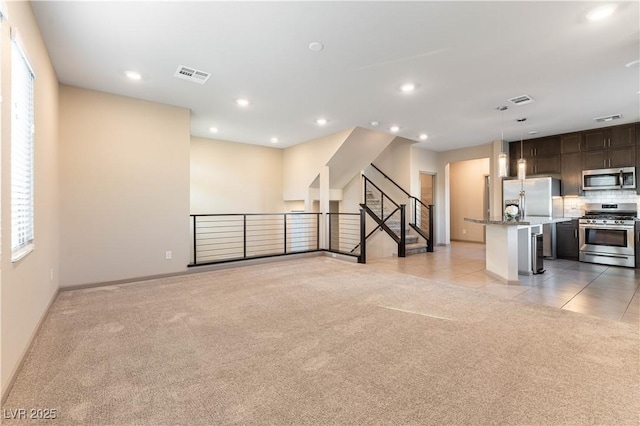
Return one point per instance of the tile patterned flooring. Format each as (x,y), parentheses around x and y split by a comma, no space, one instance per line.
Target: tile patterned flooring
(603,291)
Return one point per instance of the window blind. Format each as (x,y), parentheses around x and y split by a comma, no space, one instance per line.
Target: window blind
(22,154)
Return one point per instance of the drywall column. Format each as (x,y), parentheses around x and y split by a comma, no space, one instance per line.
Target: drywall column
(324,205)
(447,207)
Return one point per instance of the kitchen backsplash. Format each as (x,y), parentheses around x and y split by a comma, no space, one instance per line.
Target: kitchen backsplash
(574,206)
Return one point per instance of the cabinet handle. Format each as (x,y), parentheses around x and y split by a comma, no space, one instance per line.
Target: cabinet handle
(575,234)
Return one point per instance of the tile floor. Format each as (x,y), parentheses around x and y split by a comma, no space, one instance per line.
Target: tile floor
(604,291)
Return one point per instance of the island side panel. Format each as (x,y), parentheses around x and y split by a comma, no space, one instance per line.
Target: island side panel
(502,252)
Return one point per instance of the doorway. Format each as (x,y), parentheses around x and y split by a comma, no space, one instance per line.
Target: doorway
(427,184)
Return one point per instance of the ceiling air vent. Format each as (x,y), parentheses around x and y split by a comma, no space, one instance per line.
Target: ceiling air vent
(192,74)
(608,118)
(521,100)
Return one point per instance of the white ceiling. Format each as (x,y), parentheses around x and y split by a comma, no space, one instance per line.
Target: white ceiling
(466,58)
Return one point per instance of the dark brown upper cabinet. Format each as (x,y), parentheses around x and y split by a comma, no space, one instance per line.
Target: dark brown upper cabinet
(570,142)
(609,137)
(623,156)
(542,155)
(571,179)
(542,147)
(568,154)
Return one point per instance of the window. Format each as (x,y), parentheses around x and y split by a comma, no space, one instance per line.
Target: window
(22,153)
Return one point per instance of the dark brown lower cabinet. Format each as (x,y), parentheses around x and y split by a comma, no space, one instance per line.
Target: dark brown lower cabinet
(567,245)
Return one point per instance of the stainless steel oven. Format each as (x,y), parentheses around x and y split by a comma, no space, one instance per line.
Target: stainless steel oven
(606,234)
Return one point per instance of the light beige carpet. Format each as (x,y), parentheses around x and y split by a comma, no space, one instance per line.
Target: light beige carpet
(320,341)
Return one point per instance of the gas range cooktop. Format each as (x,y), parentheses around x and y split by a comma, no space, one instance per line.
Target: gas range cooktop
(610,213)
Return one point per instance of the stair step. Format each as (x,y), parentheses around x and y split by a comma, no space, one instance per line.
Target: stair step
(415,249)
(410,239)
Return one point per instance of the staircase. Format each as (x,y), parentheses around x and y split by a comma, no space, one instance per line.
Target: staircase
(389,214)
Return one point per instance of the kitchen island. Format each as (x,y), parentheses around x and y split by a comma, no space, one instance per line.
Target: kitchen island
(508,245)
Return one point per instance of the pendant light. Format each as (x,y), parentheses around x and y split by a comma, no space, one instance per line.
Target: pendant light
(522,163)
(503,159)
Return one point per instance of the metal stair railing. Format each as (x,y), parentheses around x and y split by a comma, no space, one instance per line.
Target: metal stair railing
(375,201)
(421,213)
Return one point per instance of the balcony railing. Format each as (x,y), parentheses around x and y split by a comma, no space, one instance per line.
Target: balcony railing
(346,234)
(220,238)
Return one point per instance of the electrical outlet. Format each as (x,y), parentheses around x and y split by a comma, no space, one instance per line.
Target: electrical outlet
(167,255)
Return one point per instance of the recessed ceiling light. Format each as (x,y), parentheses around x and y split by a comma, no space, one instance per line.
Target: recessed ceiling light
(375,123)
(274,140)
(242,102)
(533,132)
(633,64)
(316,46)
(608,118)
(213,129)
(394,129)
(423,137)
(408,87)
(601,12)
(133,75)
(321,121)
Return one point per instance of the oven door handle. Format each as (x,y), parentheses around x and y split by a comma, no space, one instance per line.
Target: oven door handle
(607,226)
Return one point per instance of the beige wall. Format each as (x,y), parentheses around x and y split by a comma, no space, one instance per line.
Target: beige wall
(467,188)
(443,207)
(124,175)
(302,163)
(395,162)
(231,177)
(422,161)
(28,286)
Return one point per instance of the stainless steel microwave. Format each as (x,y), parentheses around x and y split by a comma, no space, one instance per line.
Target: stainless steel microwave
(616,178)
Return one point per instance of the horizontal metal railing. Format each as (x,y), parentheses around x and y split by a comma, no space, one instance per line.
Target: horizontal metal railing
(346,234)
(220,238)
(423,221)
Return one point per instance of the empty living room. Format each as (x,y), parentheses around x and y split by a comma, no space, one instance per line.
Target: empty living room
(285,213)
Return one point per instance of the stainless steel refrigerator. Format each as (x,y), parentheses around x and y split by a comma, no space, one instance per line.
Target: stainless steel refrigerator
(542,199)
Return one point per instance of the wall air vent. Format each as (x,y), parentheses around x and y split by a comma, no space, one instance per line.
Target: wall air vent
(192,74)
(608,118)
(521,100)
